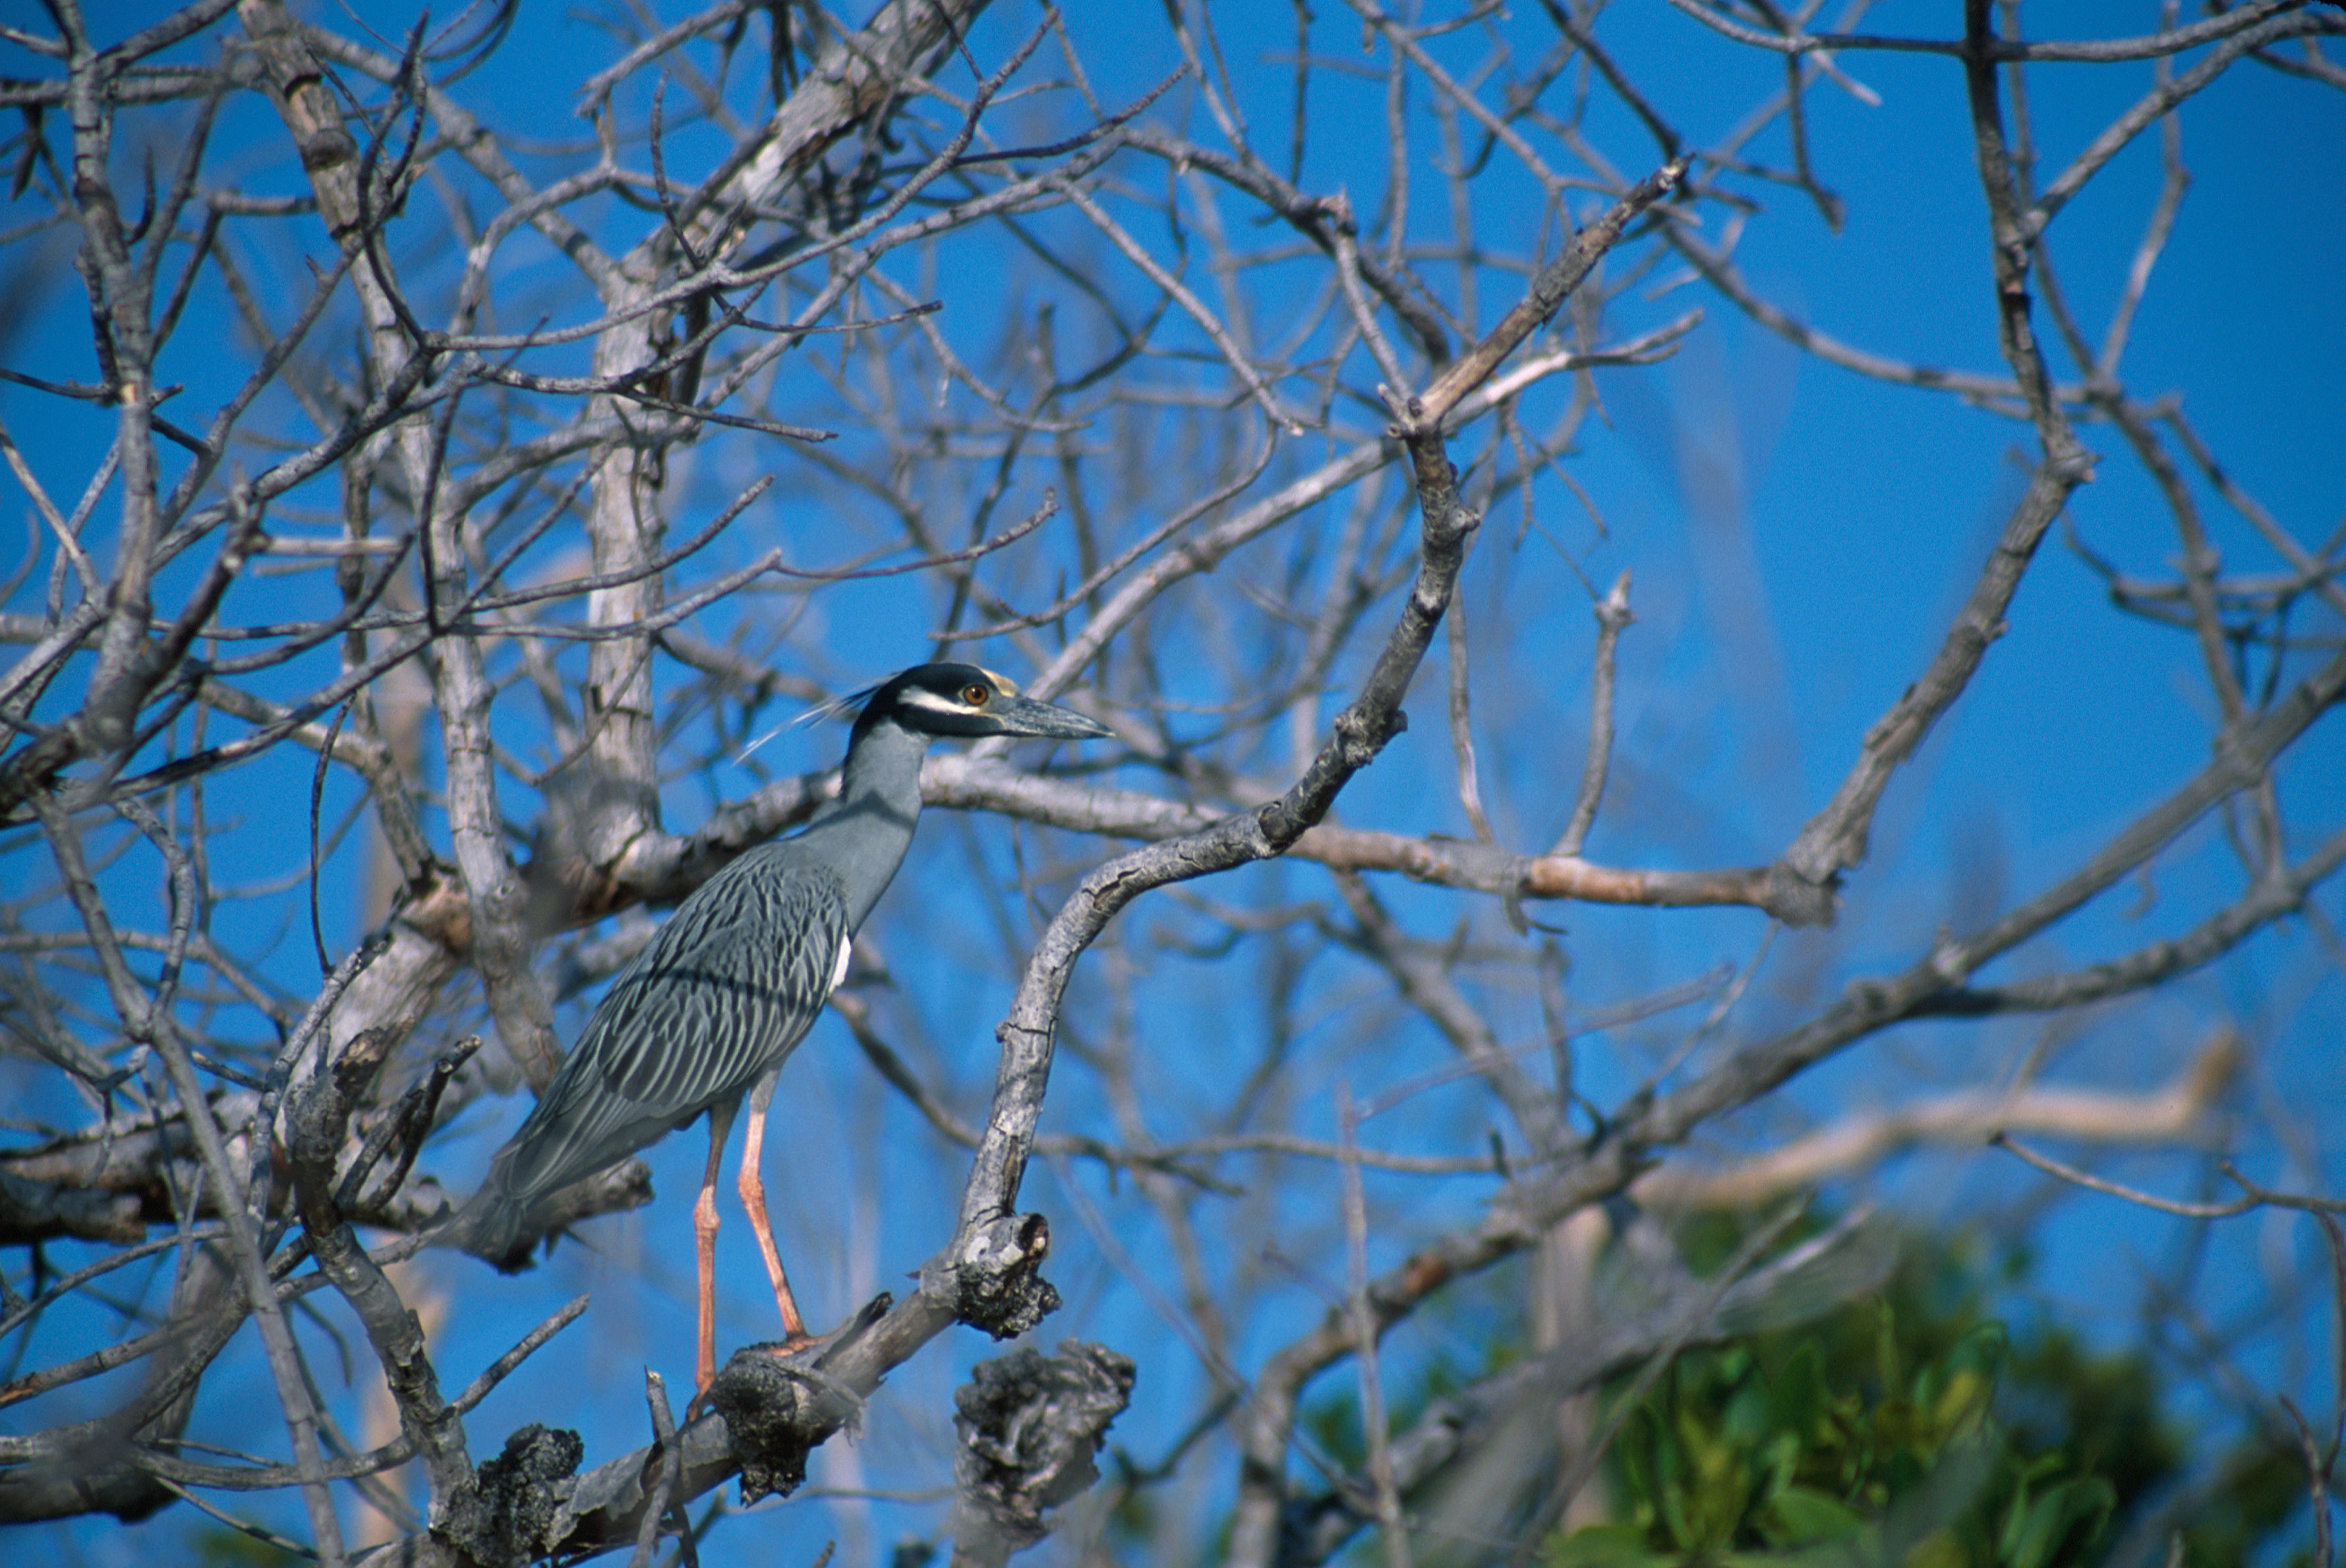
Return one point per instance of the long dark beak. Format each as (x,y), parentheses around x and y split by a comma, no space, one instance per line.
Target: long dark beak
(1043,720)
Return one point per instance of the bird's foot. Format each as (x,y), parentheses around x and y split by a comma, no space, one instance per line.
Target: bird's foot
(790,1347)
(803,1354)
(780,1350)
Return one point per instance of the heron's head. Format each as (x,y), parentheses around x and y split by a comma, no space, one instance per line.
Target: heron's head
(964,701)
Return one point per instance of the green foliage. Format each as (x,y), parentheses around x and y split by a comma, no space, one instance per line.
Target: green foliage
(1909,1430)
(1743,1455)
(1912,1429)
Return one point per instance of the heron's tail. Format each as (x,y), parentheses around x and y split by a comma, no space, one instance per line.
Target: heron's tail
(493,1226)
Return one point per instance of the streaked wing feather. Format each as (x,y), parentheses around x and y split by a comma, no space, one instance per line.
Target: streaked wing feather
(724,993)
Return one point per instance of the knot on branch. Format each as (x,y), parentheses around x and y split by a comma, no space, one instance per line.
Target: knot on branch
(995,1284)
(1030,1425)
(506,1514)
(779,1409)
(328,148)
(1448,528)
(1362,732)
(1796,901)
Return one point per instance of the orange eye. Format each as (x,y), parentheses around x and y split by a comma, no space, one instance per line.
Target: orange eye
(975,695)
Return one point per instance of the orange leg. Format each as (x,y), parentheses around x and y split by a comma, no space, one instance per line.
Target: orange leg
(704,1236)
(753,1198)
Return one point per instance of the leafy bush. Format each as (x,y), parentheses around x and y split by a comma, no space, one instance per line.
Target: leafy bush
(1754,1450)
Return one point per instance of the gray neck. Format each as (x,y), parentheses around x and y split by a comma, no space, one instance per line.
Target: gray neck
(865,832)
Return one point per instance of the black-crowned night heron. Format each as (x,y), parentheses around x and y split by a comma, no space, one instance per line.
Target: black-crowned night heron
(710,1011)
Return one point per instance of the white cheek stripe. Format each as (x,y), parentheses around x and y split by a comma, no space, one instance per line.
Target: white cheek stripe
(913,696)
